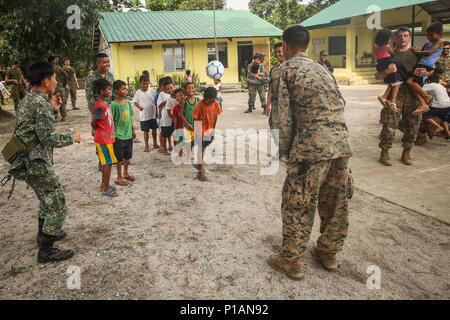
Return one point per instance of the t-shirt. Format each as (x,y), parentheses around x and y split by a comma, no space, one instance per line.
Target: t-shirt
(15,74)
(439,93)
(166,121)
(379,53)
(188,110)
(208,116)
(122,115)
(218,86)
(177,114)
(431,59)
(188,79)
(146,100)
(407,58)
(104,133)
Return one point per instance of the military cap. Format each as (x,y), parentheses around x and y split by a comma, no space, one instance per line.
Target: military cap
(323,53)
(259,55)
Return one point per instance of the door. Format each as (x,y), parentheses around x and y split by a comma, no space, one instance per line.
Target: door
(245,57)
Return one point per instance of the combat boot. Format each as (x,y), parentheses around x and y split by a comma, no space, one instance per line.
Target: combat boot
(291,269)
(328,261)
(406,157)
(384,157)
(248,110)
(62,234)
(49,254)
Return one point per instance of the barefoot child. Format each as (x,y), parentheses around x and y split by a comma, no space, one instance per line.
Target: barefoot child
(166,102)
(178,134)
(218,87)
(144,101)
(206,111)
(122,113)
(103,124)
(383,53)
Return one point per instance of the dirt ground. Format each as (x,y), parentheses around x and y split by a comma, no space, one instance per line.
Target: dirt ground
(170,236)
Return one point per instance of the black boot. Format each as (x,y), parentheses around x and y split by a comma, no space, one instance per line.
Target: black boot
(248,110)
(49,254)
(62,234)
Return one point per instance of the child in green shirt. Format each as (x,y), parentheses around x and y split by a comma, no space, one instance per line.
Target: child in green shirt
(122,113)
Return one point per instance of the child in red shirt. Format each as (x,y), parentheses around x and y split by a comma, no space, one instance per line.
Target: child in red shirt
(178,134)
(104,137)
(206,111)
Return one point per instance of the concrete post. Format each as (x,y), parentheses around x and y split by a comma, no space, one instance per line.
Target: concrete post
(351,46)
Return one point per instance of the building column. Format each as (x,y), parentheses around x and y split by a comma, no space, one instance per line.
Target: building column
(351,47)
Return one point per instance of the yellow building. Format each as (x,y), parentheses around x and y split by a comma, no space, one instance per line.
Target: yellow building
(348,28)
(170,42)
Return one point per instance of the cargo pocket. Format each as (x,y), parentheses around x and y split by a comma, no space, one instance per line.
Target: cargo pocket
(350,185)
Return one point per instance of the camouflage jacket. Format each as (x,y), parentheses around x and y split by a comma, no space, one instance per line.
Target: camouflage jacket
(308,112)
(70,75)
(250,75)
(444,63)
(61,77)
(35,124)
(91,97)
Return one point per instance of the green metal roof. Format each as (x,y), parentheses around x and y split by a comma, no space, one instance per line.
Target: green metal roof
(345,9)
(178,25)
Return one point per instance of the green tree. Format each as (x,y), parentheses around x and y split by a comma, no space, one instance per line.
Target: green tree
(262,8)
(34,29)
(201,4)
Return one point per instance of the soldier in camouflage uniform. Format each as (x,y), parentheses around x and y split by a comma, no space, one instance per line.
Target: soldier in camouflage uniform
(102,71)
(15,76)
(256,83)
(313,136)
(62,79)
(444,62)
(406,103)
(73,84)
(35,128)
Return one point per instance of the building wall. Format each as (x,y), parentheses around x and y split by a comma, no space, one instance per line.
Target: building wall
(127,60)
(366,37)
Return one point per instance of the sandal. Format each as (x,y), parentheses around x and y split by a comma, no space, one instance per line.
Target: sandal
(202,177)
(383,102)
(130,178)
(196,166)
(121,182)
(392,106)
(111,193)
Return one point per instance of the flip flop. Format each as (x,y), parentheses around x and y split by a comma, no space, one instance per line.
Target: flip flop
(124,183)
(383,102)
(130,178)
(202,177)
(196,166)
(111,193)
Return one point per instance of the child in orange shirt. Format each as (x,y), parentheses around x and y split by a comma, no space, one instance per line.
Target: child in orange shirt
(206,111)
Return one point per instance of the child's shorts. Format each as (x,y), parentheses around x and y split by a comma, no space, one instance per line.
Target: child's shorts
(149,125)
(219,99)
(206,141)
(442,113)
(167,131)
(123,149)
(105,153)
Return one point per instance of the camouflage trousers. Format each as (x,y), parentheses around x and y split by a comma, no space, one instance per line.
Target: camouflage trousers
(53,206)
(252,90)
(17,93)
(406,104)
(309,185)
(73,94)
(62,109)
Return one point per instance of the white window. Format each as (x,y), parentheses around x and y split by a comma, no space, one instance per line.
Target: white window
(223,52)
(174,57)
